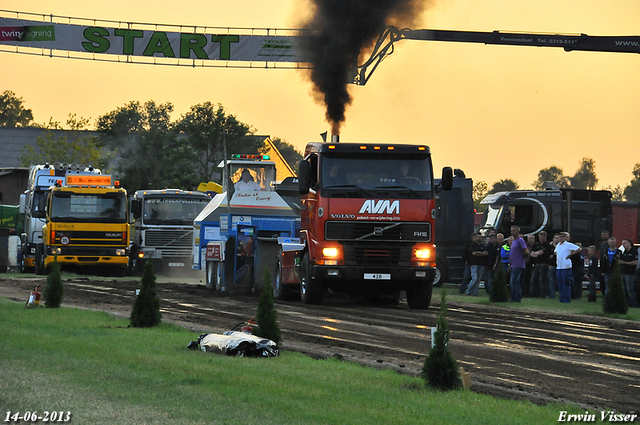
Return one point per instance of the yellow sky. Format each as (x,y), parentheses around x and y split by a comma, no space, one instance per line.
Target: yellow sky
(494,111)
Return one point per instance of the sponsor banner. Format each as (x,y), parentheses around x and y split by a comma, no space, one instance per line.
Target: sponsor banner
(378,209)
(258,199)
(97,39)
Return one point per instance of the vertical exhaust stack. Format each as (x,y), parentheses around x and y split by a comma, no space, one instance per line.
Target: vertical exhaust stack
(335,138)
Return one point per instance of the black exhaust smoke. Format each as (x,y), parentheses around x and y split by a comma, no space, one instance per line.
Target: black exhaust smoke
(338,32)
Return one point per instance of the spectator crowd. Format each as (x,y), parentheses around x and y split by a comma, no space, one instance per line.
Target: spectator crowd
(539,266)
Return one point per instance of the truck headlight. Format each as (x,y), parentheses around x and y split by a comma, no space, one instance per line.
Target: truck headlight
(330,252)
(422,253)
(331,256)
(55,250)
(120,251)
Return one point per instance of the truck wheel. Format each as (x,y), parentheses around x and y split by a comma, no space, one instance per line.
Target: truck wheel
(280,291)
(121,271)
(311,290)
(419,297)
(39,260)
(212,275)
(441,274)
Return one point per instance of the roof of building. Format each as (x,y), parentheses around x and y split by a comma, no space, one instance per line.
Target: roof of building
(14,140)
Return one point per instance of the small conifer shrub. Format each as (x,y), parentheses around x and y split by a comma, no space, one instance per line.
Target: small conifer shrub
(615,301)
(267,315)
(146,308)
(499,291)
(440,370)
(54,290)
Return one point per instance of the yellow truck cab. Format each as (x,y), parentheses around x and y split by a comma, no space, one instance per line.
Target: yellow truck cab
(86,226)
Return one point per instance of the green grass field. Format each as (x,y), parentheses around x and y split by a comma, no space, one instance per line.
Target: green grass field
(580,306)
(103,372)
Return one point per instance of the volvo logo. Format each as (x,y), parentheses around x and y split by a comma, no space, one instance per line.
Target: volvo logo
(343,216)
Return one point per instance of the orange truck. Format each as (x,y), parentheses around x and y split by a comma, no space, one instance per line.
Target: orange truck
(367,224)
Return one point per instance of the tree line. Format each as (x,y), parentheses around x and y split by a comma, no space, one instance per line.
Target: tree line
(145,149)
(141,145)
(584,178)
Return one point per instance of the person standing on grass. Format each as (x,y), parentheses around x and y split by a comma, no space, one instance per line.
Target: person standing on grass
(525,279)
(577,273)
(602,251)
(540,259)
(505,251)
(628,261)
(564,250)
(466,257)
(477,261)
(593,272)
(517,259)
(491,249)
(553,265)
(608,261)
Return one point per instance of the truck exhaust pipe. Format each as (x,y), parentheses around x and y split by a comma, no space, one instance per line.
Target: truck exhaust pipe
(335,138)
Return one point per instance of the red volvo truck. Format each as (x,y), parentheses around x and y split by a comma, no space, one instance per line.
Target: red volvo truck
(367,223)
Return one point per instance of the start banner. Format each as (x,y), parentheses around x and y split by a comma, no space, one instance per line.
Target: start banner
(198,43)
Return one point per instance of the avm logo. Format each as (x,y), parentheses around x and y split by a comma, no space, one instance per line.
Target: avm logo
(382,206)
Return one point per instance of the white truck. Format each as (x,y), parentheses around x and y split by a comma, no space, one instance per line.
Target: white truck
(163,230)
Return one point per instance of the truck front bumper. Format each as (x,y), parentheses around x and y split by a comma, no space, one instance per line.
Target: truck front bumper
(400,278)
(86,260)
(87,256)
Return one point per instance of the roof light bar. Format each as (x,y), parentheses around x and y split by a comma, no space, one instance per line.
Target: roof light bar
(245,156)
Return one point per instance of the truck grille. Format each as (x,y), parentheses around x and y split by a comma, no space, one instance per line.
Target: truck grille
(376,255)
(378,231)
(88,251)
(169,239)
(89,238)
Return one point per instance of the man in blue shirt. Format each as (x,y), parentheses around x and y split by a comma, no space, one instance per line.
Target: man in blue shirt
(564,250)
(517,259)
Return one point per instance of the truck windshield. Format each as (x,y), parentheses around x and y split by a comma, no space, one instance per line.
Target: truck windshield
(98,208)
(391,176)
(253,176)
(172,210)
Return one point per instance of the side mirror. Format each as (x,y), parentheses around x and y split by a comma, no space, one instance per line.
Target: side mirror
(136,208)
(447,178)
(303,177)
(23,203)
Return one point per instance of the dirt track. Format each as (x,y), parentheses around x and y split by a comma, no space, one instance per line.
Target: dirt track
(543,357)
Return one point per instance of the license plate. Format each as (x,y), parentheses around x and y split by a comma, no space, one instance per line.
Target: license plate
(377,276)
(176,264)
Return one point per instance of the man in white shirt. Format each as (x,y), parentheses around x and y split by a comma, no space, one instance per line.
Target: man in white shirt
(564,250)
(246,182)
